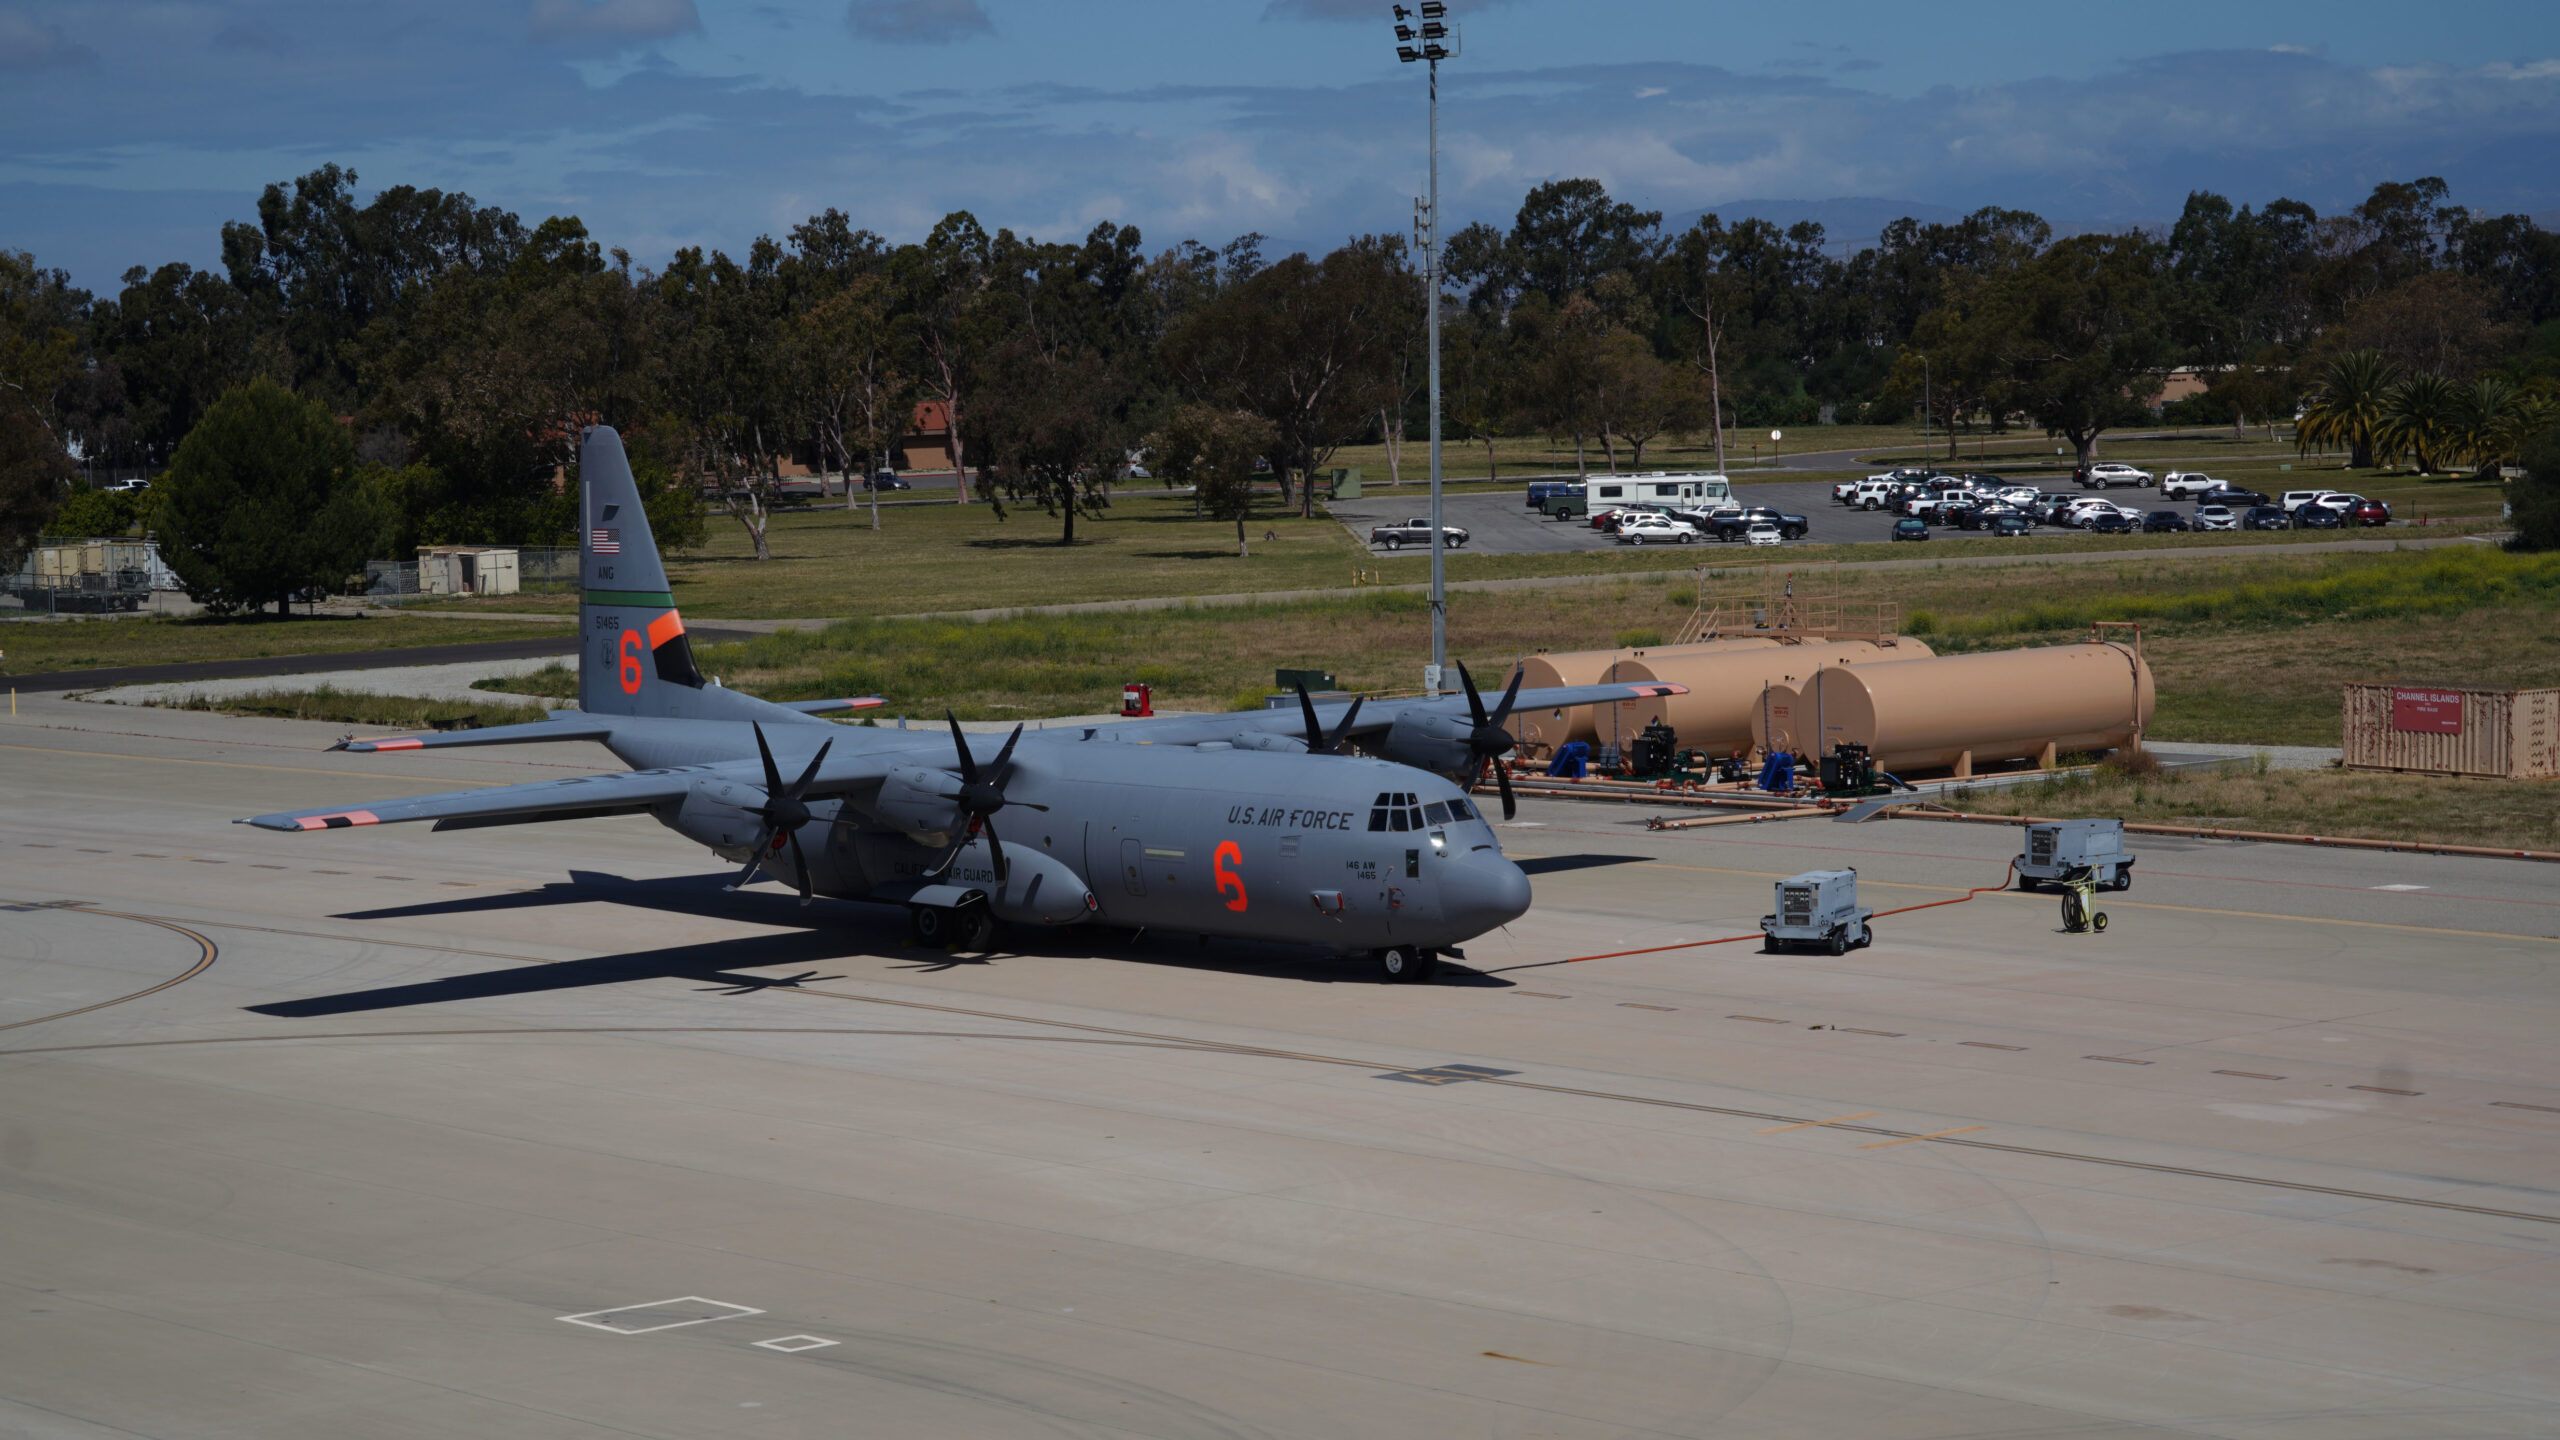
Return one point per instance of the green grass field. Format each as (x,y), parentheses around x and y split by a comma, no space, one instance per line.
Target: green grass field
(2245,651)
(2518,814)
(32,646)
(345,707)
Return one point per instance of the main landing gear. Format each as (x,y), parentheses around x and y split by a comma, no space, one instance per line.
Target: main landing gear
(961,927)
(1406,964)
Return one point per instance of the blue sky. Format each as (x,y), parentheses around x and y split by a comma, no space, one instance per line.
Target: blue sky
(129,129)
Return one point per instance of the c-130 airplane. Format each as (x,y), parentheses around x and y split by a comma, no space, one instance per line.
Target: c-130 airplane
(1260,825)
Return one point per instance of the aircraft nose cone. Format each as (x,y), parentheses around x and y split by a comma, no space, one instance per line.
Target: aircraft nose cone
(1484,891)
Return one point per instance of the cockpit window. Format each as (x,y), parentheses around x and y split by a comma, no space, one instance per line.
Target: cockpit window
(1461,810)
(1435,813)
(1396,820)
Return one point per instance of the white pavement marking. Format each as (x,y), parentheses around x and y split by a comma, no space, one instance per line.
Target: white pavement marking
(2397,887)
(794,1344)
(688,1310)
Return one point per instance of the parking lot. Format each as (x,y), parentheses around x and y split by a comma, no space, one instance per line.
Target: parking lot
(1500,522)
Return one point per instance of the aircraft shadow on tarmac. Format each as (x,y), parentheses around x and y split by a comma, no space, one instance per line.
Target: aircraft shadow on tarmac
(828,933)
(1558,864)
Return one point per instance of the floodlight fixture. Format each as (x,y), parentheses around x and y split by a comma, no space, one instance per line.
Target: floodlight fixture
(1434,9)
(1407,54)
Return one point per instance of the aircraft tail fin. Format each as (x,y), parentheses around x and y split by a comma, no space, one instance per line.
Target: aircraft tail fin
(633,655)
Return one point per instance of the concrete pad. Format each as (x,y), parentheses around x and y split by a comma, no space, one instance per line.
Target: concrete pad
(535,1087)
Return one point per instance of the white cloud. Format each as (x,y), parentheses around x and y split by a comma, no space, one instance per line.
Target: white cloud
(29,44)
(918,22)
(626,22)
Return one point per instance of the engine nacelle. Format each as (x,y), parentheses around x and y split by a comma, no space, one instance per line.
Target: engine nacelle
(1276,744)
(714,813)
(1037,889)
(919,802)
(1436,743)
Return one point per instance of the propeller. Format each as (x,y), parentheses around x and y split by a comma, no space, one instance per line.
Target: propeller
(1318,743)
(1488,740)
(981,796)
(783,812)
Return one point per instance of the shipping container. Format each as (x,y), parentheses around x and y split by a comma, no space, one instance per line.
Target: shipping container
(2452,730)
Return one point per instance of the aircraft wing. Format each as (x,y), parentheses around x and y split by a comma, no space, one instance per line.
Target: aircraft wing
(586,795)
(1377,715)
(563,725)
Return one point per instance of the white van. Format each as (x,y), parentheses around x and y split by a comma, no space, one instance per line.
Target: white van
(1685,492)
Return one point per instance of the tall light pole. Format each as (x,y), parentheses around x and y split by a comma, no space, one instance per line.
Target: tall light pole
(1432,41)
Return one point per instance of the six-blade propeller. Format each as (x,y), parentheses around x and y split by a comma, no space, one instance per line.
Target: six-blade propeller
(783,812)
(1488,742)
(981,796)
(1318,743)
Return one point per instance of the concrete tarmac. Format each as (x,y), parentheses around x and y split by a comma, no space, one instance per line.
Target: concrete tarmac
(533,1131)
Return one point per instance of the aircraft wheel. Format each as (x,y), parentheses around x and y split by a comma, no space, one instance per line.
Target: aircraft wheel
(976,929)
(1402,965)
(929,924)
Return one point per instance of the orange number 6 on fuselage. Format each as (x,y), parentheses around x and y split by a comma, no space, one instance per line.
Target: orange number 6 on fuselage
(1229,853)
(630,669)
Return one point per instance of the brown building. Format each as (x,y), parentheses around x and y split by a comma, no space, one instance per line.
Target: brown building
(927,443)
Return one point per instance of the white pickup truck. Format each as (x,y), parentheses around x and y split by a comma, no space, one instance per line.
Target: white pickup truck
(2185,484)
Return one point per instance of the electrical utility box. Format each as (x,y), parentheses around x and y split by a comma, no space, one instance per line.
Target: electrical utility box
(1818,910)
(2059,848)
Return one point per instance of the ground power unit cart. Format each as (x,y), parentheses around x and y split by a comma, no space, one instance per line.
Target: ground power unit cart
(1818,910)
(2059,850)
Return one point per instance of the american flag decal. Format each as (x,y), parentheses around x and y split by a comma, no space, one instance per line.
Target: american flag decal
(604,542)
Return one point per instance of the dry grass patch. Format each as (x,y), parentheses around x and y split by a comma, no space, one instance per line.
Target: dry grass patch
(2509,814)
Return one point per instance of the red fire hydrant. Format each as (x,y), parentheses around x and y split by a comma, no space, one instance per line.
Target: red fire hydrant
(1137,698)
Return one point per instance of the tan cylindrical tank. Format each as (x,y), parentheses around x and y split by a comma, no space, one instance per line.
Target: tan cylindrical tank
(1773,718)
(1550,728)
(1961,712)
(1724,688)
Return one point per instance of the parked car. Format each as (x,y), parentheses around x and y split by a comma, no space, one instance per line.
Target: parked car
(2265,517)
(2010,527)
(2050,506)
(2339,501)
(1980,516)
(1762,533)
(1561,505)
(2159,520)
(2107,474)
(1415,531)
(1872,494)
(2082,515)
(1539,490)
(1845,492)
(1655,530)
(2318,517)
(2227,493)
(2185,484)
(2370,512)
(885,480)
(1910,527)
(1737,524)
(2113,522)
(2215,517)
(2295,499)
(130,485)
(1608,521)
(2020,496)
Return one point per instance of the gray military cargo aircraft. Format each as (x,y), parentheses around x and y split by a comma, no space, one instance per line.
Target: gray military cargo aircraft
(1261,824)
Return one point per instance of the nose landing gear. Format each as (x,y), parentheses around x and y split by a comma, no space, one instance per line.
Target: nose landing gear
(1406,964)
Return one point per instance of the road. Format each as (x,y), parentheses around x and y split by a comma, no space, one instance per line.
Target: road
(382,1131)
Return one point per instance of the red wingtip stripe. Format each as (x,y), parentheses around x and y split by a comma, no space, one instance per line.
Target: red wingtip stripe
(412,744)
(867,702)
(339,821)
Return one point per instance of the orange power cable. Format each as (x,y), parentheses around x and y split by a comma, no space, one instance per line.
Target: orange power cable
(2008,873)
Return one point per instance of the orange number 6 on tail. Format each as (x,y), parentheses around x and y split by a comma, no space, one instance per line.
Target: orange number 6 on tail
(1229,853)
(630,669)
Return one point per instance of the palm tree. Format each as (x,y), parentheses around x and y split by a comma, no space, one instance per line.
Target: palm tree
(2419,421)
(2346,409)
(2482,411)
